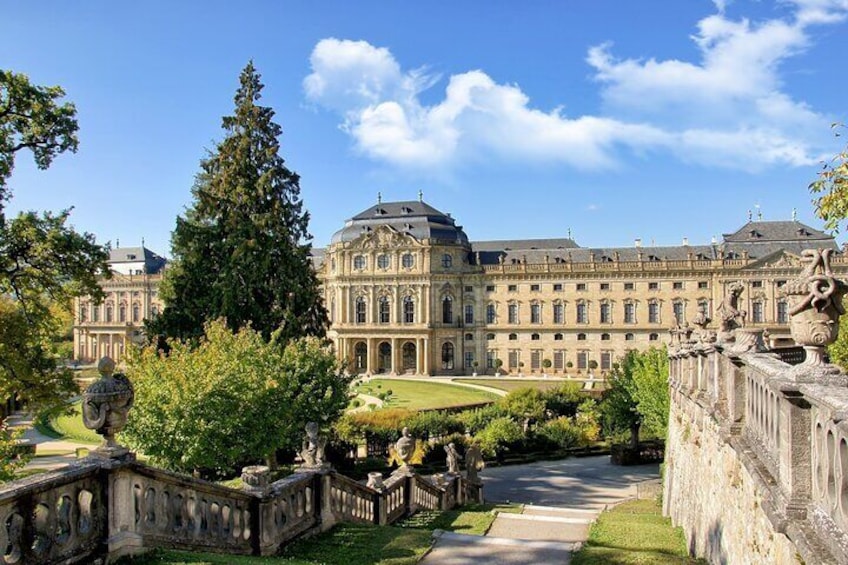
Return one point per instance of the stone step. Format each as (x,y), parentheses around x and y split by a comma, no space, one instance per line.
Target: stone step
(536,510)
(545,528)
(461,549)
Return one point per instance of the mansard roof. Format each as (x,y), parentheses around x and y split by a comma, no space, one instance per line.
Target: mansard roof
(415,218)
(153,263)
(776,231)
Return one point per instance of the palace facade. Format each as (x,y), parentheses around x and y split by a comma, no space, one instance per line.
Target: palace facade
(132,295)
(409,293)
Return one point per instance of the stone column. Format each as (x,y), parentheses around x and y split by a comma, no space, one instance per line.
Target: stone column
(369,358)
(395,368)
(425,350)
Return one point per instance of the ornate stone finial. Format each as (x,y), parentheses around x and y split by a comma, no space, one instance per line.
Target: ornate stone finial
(420,195)
(405,447)
(702,320)
(750,216)
(312,451)
(379,198)
(815,305)
(732,318)
(105,405)
(569,233)
(794,215)
(375,481)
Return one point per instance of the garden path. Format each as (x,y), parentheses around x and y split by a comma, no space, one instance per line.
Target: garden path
(50,453)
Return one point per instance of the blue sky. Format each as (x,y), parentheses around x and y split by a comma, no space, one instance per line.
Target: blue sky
(617,120)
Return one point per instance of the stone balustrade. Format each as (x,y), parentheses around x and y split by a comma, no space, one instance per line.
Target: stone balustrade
(757,458)
(101,508)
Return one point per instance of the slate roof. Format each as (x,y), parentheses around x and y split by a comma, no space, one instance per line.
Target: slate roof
(782,231)
(418,219)
(153,263)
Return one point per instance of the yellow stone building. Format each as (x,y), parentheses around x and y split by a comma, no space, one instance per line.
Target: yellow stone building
(407,292)
(132,295)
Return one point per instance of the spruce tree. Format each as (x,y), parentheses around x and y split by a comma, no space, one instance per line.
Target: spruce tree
(241,252)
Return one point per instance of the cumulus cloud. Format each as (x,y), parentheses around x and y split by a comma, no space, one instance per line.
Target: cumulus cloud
(727,109)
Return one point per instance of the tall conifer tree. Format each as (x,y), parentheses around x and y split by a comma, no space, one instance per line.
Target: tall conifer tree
(242,250)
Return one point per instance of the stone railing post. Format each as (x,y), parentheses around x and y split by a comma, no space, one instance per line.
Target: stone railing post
(795,453)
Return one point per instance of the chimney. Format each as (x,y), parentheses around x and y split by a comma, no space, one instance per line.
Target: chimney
(638,242)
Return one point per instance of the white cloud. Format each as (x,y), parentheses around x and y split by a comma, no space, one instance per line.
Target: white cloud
(728,109)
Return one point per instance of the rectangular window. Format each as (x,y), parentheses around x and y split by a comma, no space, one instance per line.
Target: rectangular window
(559,316)
(557,287)
(581,314)
(653,286)
(756,284)
(782,313)
(606,360)
(490,288)
(535,314)
(582,359)
(469,289)
(469,359)
(677,285)
(514,358)
(581,286)
(779,283)
(757,312)
(653,313)
(703,284)
(469,313)
(536,359)
(535,287)
(606,318)
(490,313)
(679,315)
(629,286)
(512,287)
(512,313)
(491,355)
(605,286)
(559,356)
(629,313)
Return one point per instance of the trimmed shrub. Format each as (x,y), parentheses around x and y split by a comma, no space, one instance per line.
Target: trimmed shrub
(478,418)
(499,436)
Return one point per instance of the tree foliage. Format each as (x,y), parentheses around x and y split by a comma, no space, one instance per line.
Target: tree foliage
(241,251)
(233,399)
(44,263)
(32,118)
(831,188)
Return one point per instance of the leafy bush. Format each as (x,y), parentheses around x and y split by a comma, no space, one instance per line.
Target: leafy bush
(433,424)
(562,432)
(563,401)
(385,424)
(230,400)
(436,452)
(499,436)
(524,403)
(478,418)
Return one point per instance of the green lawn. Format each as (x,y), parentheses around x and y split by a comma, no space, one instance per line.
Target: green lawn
(418,395)
(69,426)
(350,544)
(511,385)
(634,533)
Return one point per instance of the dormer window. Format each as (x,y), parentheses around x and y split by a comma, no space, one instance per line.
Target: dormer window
(379,212)
(803,232)
(131,257)
(406,210)
(755,234)
(605,259)
(447,261)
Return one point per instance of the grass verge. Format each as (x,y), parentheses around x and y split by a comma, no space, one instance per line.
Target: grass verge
(66,425)
(634,533)
(420,395)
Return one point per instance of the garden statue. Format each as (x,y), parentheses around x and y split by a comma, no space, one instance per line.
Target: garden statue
(453,458)
(105,405)
(312,451)
(473,463)
(731,317)
(405,447)
(375,481)
(701,320)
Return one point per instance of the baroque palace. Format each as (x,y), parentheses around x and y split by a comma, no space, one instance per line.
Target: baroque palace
(407,292)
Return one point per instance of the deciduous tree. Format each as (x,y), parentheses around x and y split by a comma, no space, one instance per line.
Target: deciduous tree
(831,188)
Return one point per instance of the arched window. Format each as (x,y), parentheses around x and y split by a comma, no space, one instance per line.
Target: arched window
(447,260)
(628,337)
(535,337)
(447,356)
(95,313)
(122,313)
(408,260)
(108,312)
(332,312)
(581,337)
(469,337)
(653,337)
(605,337)
(447,310)
(359,262)
(557,337)
(384,309)
(154,311)
(383,261)
(490,337)
(513,337)
(136,313)
(408,310)
(361,309)
(83,313)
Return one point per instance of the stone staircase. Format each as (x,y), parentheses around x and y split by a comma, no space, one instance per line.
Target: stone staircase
(538,535)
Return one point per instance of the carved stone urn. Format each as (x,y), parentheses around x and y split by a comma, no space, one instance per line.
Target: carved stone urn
(105,405)
(815,305)
(405,448)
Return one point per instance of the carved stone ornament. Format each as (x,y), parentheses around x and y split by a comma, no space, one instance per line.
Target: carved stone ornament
(731,317)
(105,405)
(256,477)
(312,451)
(375,481)
(474,463)
(815,305)
(405,447)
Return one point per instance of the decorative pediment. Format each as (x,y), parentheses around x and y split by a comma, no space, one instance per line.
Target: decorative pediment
(781,259)
(383,237)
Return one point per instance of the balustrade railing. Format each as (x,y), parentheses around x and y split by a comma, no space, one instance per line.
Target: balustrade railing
(353,502)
